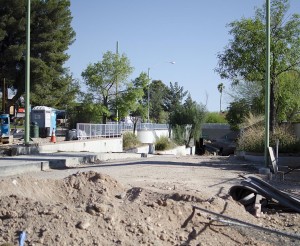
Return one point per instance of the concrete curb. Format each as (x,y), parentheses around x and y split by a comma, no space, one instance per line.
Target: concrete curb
(13,165)
(10,168)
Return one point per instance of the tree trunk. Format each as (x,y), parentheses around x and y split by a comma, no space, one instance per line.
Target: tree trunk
(105,103)
(104,118)
(134,126)
(221,102)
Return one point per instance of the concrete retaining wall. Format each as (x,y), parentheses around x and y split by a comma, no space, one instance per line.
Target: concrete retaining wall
(150,136)
(297,129)
(142,149)
(181,150)
(91,145)
(190,150)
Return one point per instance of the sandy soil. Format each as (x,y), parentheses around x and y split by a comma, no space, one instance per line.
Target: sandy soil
(139,202)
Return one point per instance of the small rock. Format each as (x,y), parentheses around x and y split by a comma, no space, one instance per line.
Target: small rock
(58,216)
(83,225)
(121,196)
(162,237)
(150,228)
(141,230)
(108,218)
(91,211)
(100,208)
(149,204)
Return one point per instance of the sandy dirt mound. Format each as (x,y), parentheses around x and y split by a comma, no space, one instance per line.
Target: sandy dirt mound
(91,208)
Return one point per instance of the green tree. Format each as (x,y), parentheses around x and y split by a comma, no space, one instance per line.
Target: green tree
(288,96)
(158,91)
(51,35)
(174,97)
(87,111)
(104,77)
(244,57)
(237,112)
(215,117)
(187,120)
(251,92)
(138,111)
(221,87)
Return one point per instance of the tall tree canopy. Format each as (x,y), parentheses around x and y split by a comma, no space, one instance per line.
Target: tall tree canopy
(139,106)
(288,97)
(244,59)
(187,119)
(51,34)
(158,91)
(238,111)
(174,96)
(106,79)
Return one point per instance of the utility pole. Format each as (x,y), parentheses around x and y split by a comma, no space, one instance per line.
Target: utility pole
(117,111)
(148,97)
(3,96)
(27,75)
(267,85)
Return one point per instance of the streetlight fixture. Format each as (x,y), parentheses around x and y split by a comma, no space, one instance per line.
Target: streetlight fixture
(148,106)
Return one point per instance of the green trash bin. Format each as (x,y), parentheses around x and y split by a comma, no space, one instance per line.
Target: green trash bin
(34,130)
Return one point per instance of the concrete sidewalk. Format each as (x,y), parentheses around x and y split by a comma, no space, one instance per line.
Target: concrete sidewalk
(13,165)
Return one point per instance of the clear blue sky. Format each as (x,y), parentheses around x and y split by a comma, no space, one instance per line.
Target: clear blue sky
(151,33)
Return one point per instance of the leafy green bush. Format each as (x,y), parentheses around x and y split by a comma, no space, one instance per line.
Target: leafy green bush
(252,140)
(130,140)
(215,117)
(178,134)
(164,143)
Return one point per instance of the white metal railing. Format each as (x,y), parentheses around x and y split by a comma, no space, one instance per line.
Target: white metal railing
(85,130)
(111,130)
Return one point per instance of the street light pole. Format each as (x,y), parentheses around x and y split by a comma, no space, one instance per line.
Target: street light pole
(27,79)
(267,84)
(148,101)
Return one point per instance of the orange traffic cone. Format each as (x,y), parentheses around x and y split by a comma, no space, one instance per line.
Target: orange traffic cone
(53,137)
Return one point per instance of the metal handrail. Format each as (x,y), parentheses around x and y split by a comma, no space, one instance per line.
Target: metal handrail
(112,130)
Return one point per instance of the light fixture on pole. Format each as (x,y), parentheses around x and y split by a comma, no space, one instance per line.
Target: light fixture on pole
(148,101)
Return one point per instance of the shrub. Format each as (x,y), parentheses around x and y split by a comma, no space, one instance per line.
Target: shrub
(130,140)
(178,134)
(253,139)
(164,143)
(215,117)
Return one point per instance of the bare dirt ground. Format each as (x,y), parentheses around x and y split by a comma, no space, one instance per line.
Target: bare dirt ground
(139,202)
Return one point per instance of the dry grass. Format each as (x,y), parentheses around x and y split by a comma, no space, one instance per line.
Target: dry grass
(253,140)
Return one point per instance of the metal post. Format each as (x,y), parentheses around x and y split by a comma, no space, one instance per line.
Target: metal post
(3,96)
(267,85)
(148,113)
(27,75)
(277,150)
(117,111)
